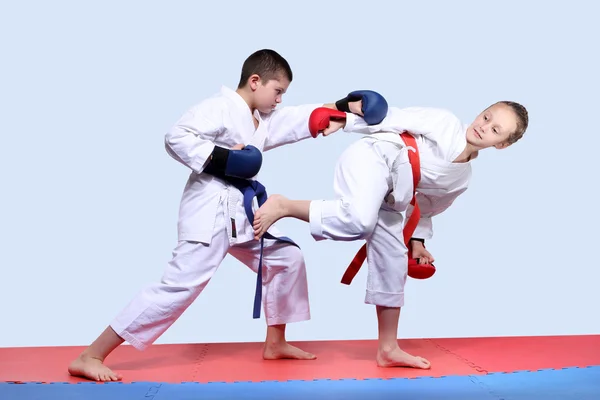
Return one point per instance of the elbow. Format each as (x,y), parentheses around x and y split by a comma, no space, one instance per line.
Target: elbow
(169,144)
(173,147)
(175,139)
(171,136)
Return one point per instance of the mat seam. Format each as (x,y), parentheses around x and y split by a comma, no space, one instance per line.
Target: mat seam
(475,379)
(198,362)
(152,391)
(159,384)
(471,364)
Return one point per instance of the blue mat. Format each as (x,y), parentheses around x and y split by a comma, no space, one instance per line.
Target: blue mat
(552,384)
(569,383)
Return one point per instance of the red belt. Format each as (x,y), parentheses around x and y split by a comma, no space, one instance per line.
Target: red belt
(411,224)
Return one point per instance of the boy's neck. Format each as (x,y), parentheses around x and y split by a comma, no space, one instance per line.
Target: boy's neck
(247,96)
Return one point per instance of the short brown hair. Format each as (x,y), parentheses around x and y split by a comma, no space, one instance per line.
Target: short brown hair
(522,120)
(266,63)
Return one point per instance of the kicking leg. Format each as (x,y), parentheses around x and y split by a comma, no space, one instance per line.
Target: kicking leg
(285,293)
(361,181)
(277,207)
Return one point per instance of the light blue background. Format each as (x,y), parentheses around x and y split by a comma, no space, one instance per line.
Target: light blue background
(90,197)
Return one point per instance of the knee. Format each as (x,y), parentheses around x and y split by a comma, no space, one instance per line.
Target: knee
(178,288)
(295,257)
(286,257)
(290,262)
(361,223)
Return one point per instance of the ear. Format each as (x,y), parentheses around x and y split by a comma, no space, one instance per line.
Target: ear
(253,81)
(502,145)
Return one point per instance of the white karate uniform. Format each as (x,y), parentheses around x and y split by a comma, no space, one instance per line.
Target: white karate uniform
(374,184)
(213,222)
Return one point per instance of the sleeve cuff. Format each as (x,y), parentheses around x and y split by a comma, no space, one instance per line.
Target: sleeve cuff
(315,214)
(202,158)
(424,229)
(350,122)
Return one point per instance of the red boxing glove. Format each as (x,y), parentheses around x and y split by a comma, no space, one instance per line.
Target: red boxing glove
(420,271)
(320,117)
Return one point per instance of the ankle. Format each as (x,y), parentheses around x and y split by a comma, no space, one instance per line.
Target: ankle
(287,206)
(274,343)
(387,346)
(275,335)
(87,355)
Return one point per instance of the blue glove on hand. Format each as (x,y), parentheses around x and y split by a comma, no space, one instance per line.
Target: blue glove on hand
(374,105)
(243,163)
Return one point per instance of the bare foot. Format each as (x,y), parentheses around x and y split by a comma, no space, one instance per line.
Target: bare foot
(284,350)
(268,214)
(397,357)
(92,368)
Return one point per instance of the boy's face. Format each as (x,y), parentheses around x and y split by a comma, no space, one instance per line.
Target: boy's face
(268,94)
(492,127)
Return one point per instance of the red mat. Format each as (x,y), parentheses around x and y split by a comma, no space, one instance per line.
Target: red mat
(510,354)
(231,362)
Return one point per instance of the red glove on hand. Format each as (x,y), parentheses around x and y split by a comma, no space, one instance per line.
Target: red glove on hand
(320,117)
(420,271)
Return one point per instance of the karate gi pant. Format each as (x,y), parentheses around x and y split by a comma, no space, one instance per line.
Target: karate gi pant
(158,306)
(373,185)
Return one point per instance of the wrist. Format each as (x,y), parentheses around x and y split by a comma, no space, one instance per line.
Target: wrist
(350,122)
(217,161)
(220,155)
(417,243)
(343,105)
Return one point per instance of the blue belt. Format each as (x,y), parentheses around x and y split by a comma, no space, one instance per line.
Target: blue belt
(250,190)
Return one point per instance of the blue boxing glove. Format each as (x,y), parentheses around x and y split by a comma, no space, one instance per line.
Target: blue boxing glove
(243,163)
(374,105)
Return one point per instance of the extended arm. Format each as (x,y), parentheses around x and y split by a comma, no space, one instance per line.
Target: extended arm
(417,120)
(292,124)
(370,105)
(289,125)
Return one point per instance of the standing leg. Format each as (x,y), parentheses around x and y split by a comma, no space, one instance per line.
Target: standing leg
(388,268)
(285,292)
(157,306)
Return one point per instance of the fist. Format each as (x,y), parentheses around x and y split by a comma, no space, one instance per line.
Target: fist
(325,120)
(355,107)
(420,271)
(420,266)
(420,253)
(369,104)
